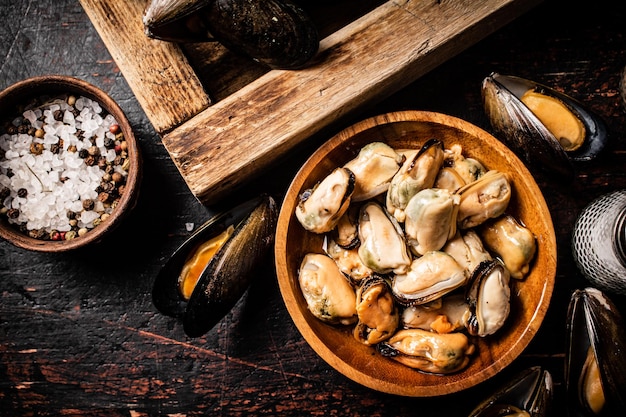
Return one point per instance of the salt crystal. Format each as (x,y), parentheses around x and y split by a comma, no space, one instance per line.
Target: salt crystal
(110,155)
(88,216)
(68,118)
(31,116)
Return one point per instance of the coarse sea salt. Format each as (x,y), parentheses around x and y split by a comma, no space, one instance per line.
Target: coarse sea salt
(44,175)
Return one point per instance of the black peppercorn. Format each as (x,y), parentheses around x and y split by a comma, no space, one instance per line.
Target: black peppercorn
(90,160)
(22,192)
(88,204)
(13,213)
(83,153)
(108,142)
(4,192)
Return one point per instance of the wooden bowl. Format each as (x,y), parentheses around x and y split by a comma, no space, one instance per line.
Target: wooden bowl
(13,98)
(530,297)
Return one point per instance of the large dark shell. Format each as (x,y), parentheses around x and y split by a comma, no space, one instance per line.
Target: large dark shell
(594,321)
(522,131)
(228,274)
(277,33)
(531,390)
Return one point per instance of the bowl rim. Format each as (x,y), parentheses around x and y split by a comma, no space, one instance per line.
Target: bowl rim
(312,338)
(49,84)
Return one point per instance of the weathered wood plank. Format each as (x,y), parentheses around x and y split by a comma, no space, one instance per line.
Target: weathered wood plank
(158,72)
(218,147)
(372,57)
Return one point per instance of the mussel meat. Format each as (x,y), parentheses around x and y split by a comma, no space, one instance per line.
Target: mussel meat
(444,315)
(484,199)
(512,242)
(277,33)
(429,277)
(321,207)
(527,394)
(348,261)
(468,169)
(377,311)
(595,365)
(326,290)
(383,245)
(468,250)
(206,276)
(374,167)
(489,298)
(430,221)
(438,353)
(548,129)
(416,174)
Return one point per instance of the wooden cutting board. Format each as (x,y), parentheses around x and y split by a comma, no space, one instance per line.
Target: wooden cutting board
(219,143)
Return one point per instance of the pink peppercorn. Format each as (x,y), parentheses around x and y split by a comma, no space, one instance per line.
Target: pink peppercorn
(114,128)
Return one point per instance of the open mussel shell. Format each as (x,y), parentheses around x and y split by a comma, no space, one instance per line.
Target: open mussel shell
(530,391)
(522,131)
(277,33)
(595,325)
(228,274)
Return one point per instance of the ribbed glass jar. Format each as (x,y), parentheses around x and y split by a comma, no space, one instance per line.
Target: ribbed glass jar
(599,242)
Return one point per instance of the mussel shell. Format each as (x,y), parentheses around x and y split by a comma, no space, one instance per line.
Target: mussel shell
(277,33)
(228,274)
(594,321)
(531,390)
(522,131)
(176,20)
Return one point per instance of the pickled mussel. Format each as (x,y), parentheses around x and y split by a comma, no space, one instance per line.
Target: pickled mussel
(528,394)
(595,366)
(212,269)
(438,353)
(377,311)
(489,298)
(374,168)
(418,172)
(444,315)
(548,129)
(512,242)
(277,33)
(327,291)
(323,206)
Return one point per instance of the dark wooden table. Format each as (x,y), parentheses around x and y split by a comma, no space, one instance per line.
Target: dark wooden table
(79,334)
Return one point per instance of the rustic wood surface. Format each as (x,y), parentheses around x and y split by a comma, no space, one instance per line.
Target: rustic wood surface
(79,335)
(376,54)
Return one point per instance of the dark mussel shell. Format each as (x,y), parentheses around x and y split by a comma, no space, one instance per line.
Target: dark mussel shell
(228,274)
(524,133)
(531,390)
(595,322)
(277,33)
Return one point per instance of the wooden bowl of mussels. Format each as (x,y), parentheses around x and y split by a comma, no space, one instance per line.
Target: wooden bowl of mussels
(70,167)
(415,254)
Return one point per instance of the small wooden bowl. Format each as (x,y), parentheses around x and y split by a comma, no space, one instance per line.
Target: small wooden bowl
(21,93)
(530,297)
